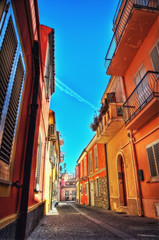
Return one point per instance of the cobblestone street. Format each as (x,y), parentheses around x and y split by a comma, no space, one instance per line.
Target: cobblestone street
(73,221)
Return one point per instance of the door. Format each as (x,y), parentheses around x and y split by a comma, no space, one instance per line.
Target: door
(122,182)
(73,195)
(66,195)
(143,90)
(88,191)
(92,192)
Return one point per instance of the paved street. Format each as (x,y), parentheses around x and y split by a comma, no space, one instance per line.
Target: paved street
(73,221)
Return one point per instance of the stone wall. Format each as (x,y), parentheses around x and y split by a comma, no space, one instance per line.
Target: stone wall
(102,200)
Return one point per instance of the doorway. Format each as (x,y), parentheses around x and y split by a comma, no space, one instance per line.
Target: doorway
(92,192)
(66,195)
(122,181)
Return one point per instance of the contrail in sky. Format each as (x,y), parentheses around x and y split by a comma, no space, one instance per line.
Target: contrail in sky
(63,87)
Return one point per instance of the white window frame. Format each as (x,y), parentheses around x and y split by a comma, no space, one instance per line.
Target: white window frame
(153,178)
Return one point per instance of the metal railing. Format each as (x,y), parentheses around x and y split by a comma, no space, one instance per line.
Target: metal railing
(122,22)
(147,88)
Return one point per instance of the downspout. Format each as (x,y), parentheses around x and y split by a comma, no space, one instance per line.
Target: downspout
(22,220)
(138,185)
(107,177)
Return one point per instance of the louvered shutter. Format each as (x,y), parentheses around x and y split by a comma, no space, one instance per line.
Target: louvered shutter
(96,157)
(155,58)
(156,152)
(7,53)
(38,163)
(10,123)
(151,161)
(12,74)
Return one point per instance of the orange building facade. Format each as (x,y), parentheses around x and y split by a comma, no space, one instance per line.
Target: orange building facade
(92,171)
(134,56)
(24,115)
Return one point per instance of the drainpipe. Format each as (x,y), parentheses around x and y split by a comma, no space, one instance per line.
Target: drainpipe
(107,184)
(22,220)
(138,185)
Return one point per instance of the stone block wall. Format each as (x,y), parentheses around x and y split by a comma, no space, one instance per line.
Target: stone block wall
(102,199)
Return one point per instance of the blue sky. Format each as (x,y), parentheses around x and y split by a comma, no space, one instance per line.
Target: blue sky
(83,31)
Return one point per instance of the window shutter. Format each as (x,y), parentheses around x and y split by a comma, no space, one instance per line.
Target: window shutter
(156,151)
(155,58)
(7,53)
(38,163)
(10,122)
(151,161)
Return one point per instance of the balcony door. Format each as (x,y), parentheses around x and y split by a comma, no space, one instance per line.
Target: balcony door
(155,57)
(142,90)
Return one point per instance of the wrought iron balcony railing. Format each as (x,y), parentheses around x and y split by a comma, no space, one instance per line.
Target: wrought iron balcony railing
(122,22)
(147,88)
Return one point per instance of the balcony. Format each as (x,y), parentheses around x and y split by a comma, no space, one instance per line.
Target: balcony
(143,103)
(111,123)
(52,136)
(133,24)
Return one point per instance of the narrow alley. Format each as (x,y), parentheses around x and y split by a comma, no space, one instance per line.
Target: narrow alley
(72,221)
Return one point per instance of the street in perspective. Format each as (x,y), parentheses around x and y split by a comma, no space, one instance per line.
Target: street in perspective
(79,119)
(72,221)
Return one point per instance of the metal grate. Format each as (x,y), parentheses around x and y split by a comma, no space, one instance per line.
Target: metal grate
(10,123)
(7,53)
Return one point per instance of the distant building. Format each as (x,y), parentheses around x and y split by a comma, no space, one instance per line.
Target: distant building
(68,187)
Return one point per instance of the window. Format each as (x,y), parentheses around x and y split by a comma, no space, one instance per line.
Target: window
(153,159)
(85,172)
(81,189)
(91,163)
(49,70)
(81,170)
(155,57)
(12,74)
(97,187)
(38,163)
(96,157)
(86,188)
